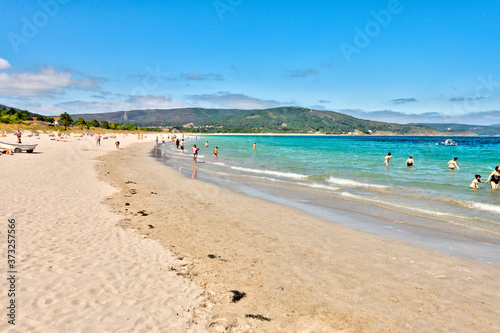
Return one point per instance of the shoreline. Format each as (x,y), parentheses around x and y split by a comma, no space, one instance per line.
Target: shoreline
(297,270)
(422,228)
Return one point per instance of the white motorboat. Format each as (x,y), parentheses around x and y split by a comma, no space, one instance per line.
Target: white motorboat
(449,142)
(18,147)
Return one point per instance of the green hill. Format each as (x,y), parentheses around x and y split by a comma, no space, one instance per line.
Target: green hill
(275,120)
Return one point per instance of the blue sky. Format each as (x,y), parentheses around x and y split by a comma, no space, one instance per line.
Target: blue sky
(398,61)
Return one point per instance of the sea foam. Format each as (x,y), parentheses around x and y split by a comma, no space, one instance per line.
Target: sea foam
(353,183)
(270,172)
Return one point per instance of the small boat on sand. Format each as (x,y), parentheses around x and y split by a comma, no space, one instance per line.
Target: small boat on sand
(18,147)
(449,142)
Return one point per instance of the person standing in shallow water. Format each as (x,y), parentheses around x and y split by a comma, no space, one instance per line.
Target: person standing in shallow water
(255,146)
(494,178)
(453,165)
(410,162)
(195,153)
(387,158)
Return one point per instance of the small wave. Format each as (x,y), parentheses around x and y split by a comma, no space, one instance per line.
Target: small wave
(483,206)
(219,163)
(274,173)
(316,185)
(399,207)
(350,195)
(352,183)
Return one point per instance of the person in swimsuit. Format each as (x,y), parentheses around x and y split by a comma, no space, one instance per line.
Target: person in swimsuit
(494,178)
(387,158)
(476,181)
(195,153)
(216,151)
(452,165)
(410,161)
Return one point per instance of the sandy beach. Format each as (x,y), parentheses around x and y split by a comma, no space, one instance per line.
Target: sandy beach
(76,270)
(111,240)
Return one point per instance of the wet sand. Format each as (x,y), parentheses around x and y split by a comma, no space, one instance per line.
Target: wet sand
(298,273)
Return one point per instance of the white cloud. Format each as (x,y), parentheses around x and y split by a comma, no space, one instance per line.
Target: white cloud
(302,74)
(473,118)
(154,102)
(195,76)
(4,64)
(237,101)
(45,82)
(134,102)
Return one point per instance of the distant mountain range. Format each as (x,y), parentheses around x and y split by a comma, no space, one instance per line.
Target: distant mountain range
(491,130)
(275,120)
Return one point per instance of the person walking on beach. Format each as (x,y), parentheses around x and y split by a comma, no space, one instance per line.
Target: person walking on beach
(452,164)
(98,140)
(410,162)
(494,178)
(18,134)
(476,181)
(387,158)
(195,153)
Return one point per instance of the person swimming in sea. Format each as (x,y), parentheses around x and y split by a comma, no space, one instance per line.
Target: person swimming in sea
(452,164)
(410,162)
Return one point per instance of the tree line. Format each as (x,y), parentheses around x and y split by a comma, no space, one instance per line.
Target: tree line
(16,116)
(66,120)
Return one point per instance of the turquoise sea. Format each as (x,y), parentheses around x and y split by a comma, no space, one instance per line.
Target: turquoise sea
(344,179)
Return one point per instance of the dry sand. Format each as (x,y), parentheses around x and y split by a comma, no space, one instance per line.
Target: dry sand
(76,270)
(299,273)
(79,272)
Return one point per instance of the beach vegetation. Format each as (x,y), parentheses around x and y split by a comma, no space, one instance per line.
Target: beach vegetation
(93,123)
(81,122)
(104,124)
(13,116)
(65,120)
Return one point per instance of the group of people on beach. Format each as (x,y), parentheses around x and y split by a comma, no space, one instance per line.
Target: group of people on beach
(493,179)
(195,151)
